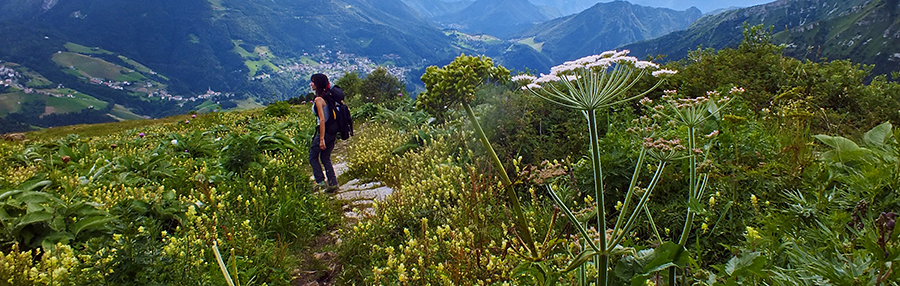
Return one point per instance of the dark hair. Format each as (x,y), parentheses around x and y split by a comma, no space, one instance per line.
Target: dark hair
(321,82)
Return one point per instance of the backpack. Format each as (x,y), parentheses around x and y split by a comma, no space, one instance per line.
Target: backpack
(340,113)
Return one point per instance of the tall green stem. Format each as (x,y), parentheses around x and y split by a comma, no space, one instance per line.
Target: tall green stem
(598,193)
(692,192)
(507,183)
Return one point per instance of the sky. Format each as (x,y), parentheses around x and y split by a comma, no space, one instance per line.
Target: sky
(704,5)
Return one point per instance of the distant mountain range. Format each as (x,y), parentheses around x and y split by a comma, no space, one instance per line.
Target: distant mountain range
(605,26)
(193,42)
(156,58)
(495,17)
(864,31)
(436,8)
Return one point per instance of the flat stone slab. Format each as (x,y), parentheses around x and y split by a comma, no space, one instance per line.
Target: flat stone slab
(358,196)
(377,194)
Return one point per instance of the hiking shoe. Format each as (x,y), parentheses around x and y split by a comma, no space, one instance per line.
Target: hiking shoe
(332,189)
(318,187)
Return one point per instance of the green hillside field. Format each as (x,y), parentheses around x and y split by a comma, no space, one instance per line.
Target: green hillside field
(91,67)
(66,104)
(122,114)
(530,42)
(253,61)
(76,48)
(11,102)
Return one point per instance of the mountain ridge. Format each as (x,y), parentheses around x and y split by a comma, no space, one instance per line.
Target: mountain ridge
(495,17)
(809,29)
(619,23)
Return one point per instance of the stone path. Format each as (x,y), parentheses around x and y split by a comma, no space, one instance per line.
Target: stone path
(357,198)
(358,195)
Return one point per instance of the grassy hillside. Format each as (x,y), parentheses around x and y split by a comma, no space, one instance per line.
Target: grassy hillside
(90,67)
(127,195)
(10,102)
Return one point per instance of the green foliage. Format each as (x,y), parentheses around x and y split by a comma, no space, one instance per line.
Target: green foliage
(132,207)
(456,83)
(440,225)
(381,88)
(643,264)
(279,109)
(352,84)
(196,144)
(243,152)
(37,219)
(797,187)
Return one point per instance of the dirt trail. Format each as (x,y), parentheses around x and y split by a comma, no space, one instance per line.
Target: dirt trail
(320,265)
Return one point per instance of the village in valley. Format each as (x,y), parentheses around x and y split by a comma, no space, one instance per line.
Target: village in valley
(11,78)
(336,63)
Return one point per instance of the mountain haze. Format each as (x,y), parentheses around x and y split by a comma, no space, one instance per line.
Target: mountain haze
(495,17)
(436,8)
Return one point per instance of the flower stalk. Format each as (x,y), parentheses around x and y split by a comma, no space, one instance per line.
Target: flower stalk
(589,84)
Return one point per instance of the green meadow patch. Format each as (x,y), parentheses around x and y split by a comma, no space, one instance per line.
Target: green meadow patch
(90,66)
(244,104)
(241,51)
(78,102)
(11,102)
(207,106)
(136,65)
(123,114)
(308,61)
(530,42)
(256,59)
(76,48)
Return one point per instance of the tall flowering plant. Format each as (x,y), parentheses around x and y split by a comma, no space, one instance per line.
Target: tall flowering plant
(692,113)
(587,85)
(456,84)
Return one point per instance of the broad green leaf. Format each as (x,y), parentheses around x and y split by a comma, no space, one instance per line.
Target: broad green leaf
(39,184)
(714,109)
(10,194)
(632,265)
(844,150)
(66,151)
(750,262)
(139,206)
(90,223)
(841,144)
(31,218)
(695,206)
(169,195)
(582,257)
(646,262)
(532,269)
(878,135)
(4,216)
(667,253)
(38,201)
(58,223)
(50,241)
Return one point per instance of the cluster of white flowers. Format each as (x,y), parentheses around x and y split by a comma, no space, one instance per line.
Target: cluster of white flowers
(663,72)
(602,61)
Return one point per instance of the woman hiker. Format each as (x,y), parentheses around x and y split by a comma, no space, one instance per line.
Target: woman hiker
(326,133)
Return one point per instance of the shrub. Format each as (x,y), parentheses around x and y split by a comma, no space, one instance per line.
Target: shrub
(279,109)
